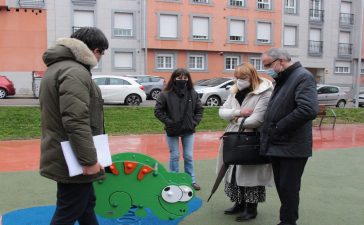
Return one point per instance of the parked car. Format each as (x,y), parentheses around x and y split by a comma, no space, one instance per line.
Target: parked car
(331,95)
(215,91)
(153,85)
(6,87)
(117,89)
(361,99)
(200,81)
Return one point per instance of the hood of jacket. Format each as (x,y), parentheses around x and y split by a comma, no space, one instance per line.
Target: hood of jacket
(263,86)
(70,49)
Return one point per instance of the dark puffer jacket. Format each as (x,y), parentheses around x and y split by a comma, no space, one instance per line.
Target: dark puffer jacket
(71,109)
(170,107)
(287,128)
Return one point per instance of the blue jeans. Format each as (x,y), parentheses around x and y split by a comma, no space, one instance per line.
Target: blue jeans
(187,144)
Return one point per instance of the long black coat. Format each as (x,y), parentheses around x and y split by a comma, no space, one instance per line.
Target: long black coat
(287,128)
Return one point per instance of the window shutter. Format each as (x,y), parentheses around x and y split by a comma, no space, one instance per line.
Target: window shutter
(315,35)
(344,37)
(237,28)
(263,32)
(83,18)
(345,7)
(123,60)
(289,35)
(168,26)
(200,27)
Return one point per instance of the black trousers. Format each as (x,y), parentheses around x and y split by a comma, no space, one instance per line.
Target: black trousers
(75,202)
(287,176)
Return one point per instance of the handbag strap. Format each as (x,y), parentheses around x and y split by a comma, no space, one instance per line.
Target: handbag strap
(241,128)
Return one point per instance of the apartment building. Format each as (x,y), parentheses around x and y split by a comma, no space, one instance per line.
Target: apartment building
(23,39)
(324,36)
(28,27)
(210,37)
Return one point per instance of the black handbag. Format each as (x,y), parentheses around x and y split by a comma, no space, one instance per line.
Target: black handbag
(242,148)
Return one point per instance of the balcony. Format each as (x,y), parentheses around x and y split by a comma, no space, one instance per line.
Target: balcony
(346,19)
(345,50)
(316,16)
(289,10)
(315,48)
(33,4)
(84,2)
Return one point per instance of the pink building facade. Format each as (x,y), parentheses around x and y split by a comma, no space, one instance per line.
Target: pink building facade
(210,37)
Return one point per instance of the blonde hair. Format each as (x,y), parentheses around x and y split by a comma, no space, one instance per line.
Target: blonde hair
(247,71)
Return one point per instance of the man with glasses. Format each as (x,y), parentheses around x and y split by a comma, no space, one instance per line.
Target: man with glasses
(72,109)
(286,135)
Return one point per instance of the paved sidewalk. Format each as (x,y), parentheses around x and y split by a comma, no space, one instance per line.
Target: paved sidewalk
(23,155)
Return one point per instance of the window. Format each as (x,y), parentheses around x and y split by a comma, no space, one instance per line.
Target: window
(263,33)
(231,62)
(315,45)
(124,60)
(237,28)
(100,81)
(342,67)
(264,4)
(201,1)
(123,25)
(196,62)
(237,3)
(168,26)
(200,28)
(257,63)
(82,19)
(164,61)
(346,16)
(362,68)
(290,6)
(117,81)
(290,34)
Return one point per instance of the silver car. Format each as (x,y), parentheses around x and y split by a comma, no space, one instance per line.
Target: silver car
(153,85)
(361,99)
(215,91)
(331,95)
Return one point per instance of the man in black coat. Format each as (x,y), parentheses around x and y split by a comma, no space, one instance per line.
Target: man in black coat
(286,135)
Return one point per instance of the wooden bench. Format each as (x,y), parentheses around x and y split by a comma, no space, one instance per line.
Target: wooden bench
(323,114)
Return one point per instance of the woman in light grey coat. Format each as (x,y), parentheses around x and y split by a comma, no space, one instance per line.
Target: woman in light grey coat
(245,185)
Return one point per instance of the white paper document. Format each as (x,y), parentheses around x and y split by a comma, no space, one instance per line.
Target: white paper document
(102,150)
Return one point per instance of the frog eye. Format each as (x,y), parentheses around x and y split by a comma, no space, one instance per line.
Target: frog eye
(187,193)
(172,194)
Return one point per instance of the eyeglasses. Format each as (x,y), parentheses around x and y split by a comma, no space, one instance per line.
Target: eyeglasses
(270,64)
(101,51)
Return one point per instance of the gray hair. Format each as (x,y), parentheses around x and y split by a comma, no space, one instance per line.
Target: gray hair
(278,53)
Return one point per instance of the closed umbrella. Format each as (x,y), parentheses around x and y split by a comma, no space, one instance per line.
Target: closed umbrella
(219,177)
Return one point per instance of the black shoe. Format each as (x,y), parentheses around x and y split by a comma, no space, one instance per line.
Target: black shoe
(237,208)
(249,213)
(196,186)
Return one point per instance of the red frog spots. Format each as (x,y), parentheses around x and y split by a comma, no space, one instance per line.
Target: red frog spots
(113,169)
(129,167)
(144,171)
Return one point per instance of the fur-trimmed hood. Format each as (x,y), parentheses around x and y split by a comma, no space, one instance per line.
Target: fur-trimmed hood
(264,86)
(70,49)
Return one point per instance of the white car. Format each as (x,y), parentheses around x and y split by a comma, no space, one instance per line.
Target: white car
(117,89)
(331,95)
(361,99)
(215,91)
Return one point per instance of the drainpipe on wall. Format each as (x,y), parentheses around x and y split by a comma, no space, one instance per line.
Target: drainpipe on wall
(144,27)
(357,77)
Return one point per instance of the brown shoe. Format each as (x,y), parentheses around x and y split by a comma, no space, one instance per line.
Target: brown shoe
(196,186)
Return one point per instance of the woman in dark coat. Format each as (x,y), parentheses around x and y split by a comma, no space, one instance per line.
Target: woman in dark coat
(179,108)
